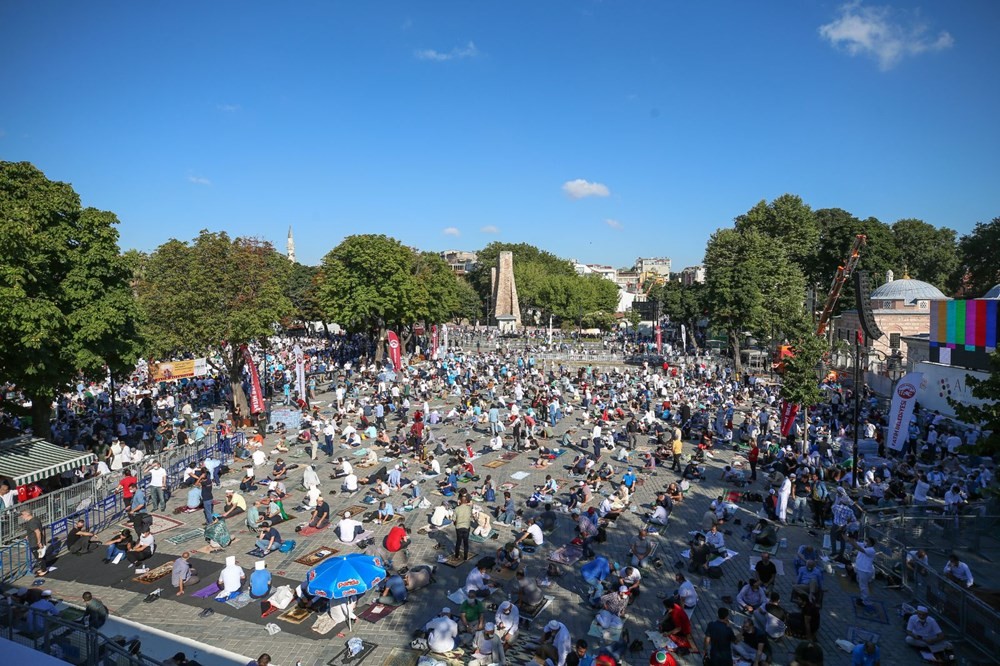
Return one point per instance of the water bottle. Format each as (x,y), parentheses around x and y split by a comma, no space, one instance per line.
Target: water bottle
(707,583)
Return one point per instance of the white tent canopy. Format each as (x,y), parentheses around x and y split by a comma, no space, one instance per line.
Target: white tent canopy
(29,459)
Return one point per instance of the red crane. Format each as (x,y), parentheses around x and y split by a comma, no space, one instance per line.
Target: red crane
(843,273)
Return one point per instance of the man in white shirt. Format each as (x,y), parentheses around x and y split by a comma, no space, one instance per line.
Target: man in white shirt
(442,632)
(864,565)
(350,484)
(346,469)
(7,496)
(348,529)
(920,490)
(925,633)
(686,594)
(157,486)
(532,536)
(958,571)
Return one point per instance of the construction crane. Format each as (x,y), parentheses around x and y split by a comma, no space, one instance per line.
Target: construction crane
(843,273)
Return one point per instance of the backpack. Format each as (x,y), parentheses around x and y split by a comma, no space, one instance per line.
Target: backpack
(286,546)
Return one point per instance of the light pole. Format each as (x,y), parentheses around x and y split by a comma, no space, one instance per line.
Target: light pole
(857,408)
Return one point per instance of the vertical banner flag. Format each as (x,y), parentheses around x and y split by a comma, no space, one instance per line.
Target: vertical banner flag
(788,413)
(300,373)
(434,341)
(903,400)
(659,338)
(256,395)
(395,353)
(684,339)
(550,329)
(444,338)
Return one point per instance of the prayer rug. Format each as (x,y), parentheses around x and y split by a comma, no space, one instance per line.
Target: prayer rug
(455,562)
(257,552)
(873,612)
(160,524)
(532,612)
(772,550)
(156,574)
(309,531)
(560,452)
(609,635)
(482,539)
(778,564)
(295,615)
(208,548)
(509,455)
(357,453)
(208,591)
(520,475)
(184,537)
(569,554)
(734,496)
(355,510)
(858,635)
(507,486)
(344,657)
(376,612)
(241,601)
(504,574)
(317,556)
(493,464)
(403,657)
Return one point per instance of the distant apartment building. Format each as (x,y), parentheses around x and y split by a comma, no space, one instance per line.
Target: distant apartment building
(692,275)
(628,280)
(461,262)
(653,266)
(606,272)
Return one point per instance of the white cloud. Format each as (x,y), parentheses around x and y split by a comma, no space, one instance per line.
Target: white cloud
(228,108)
(489,229)
(198,180)
(580,188)
(457,53)
(614,224)
(882,33)
(451,231)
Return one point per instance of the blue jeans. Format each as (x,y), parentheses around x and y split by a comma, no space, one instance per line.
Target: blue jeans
(207,506)
(113,551)
(507,517)
(596,588)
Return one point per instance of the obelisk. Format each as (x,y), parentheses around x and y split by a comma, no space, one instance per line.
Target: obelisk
(506,308)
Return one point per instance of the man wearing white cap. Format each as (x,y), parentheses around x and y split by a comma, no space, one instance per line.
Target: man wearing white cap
(348,529)
(557,639)
(260,580)
(230,580)
(442,632)
(488,649)
(508,620)
(923,632)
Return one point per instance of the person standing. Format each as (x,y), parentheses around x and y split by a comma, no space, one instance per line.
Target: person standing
(718,644)
(157,487)
(207,500)
(677,447)
(752,456)
(463,523)
(864,566)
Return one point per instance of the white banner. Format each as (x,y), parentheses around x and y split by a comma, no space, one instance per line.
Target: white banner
(300,373)
(903,400)
(942,382)
(684,337)
(444,340)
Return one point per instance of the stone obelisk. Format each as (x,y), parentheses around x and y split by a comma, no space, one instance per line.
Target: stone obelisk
(506,308)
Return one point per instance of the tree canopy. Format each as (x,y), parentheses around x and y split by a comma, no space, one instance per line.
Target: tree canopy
(980,269)
(927,252)
(213,295)
(66,306)
(789,222)
(987,416)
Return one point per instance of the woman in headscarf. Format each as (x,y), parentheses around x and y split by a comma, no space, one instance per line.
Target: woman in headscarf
(507,622)
(310,479)
(230,580)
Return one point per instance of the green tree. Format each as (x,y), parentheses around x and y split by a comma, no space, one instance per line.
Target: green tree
(788,221)
(838,229)
(66,306)
(978,252)
(684,304)
(532,269)
(987,416)
(214,295)
(470,307)
(800,382)
(926,252)
(442,287)
(302,290)
(750,286)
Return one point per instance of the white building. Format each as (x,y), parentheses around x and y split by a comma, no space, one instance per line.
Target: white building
(653,266)
(692,275)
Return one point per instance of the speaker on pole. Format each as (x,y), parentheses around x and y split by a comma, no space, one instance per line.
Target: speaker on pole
(863,296)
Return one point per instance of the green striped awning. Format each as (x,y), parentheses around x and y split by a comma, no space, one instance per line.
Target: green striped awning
(29,459)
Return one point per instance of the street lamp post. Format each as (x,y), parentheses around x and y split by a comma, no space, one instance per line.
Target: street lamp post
(857,408)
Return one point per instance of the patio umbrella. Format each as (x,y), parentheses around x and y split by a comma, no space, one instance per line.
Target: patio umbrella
(344,576)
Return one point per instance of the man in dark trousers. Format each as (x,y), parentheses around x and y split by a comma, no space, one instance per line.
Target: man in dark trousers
(463,522)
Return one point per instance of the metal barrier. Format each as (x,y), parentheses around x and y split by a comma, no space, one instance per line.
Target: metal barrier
(68,639)
(15,560)
(975,622)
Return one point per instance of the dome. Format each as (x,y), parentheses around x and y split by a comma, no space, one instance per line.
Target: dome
(993,293)
(908,290)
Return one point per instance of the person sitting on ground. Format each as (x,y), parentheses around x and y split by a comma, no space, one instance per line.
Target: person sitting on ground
(442,632)
(248,482)
(320,517)
(509,556)
(924,633)
(268,539)
(350,484)
(386,513)
(532,536)
(235,504)
(277,490)
(675,493)
(958,571)
(507,621)
(716,540)
(471,615)
(765,534)
(183,574)
(675,624)
(691,471)
(78,540)
(119,544)
(478,583)
(484,524)
(700,554)
(529,594)
(803,623)
(662,509)
(752,644)
(280,470)
(751,596)
(348,529)
(260,580)
(143,550)
(809,582)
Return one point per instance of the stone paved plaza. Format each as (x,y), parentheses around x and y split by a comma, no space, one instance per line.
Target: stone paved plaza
(839,613)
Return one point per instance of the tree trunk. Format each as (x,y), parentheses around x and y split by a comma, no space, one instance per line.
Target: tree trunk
(380,343)
(691,335)
(240,404)
(734,344)
(41,415)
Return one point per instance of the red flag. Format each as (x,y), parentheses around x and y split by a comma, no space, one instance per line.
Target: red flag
(434,341)
(788,413)
(256,395)
(395,353)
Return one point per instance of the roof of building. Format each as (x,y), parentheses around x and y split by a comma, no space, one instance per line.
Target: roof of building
(908,290)
(993,293)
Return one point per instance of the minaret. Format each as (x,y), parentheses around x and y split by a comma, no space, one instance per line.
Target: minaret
(291,246)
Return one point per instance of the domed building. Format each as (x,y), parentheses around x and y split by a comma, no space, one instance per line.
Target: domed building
(993,294)
(901,309)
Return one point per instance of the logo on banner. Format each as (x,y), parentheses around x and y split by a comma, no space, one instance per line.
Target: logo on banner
(906,391)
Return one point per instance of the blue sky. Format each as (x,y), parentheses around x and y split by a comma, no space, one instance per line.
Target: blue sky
(597,130)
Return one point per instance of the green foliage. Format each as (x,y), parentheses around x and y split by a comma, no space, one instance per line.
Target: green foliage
(926,252)
(751,286)
(986,416)
(789,222)
(66,305)
(684,304)
(978,257)
(213,294)
(800,383)
(470,308)
(837,231)
(302,290)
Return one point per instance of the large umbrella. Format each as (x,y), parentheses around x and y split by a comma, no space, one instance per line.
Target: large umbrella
(345,576)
